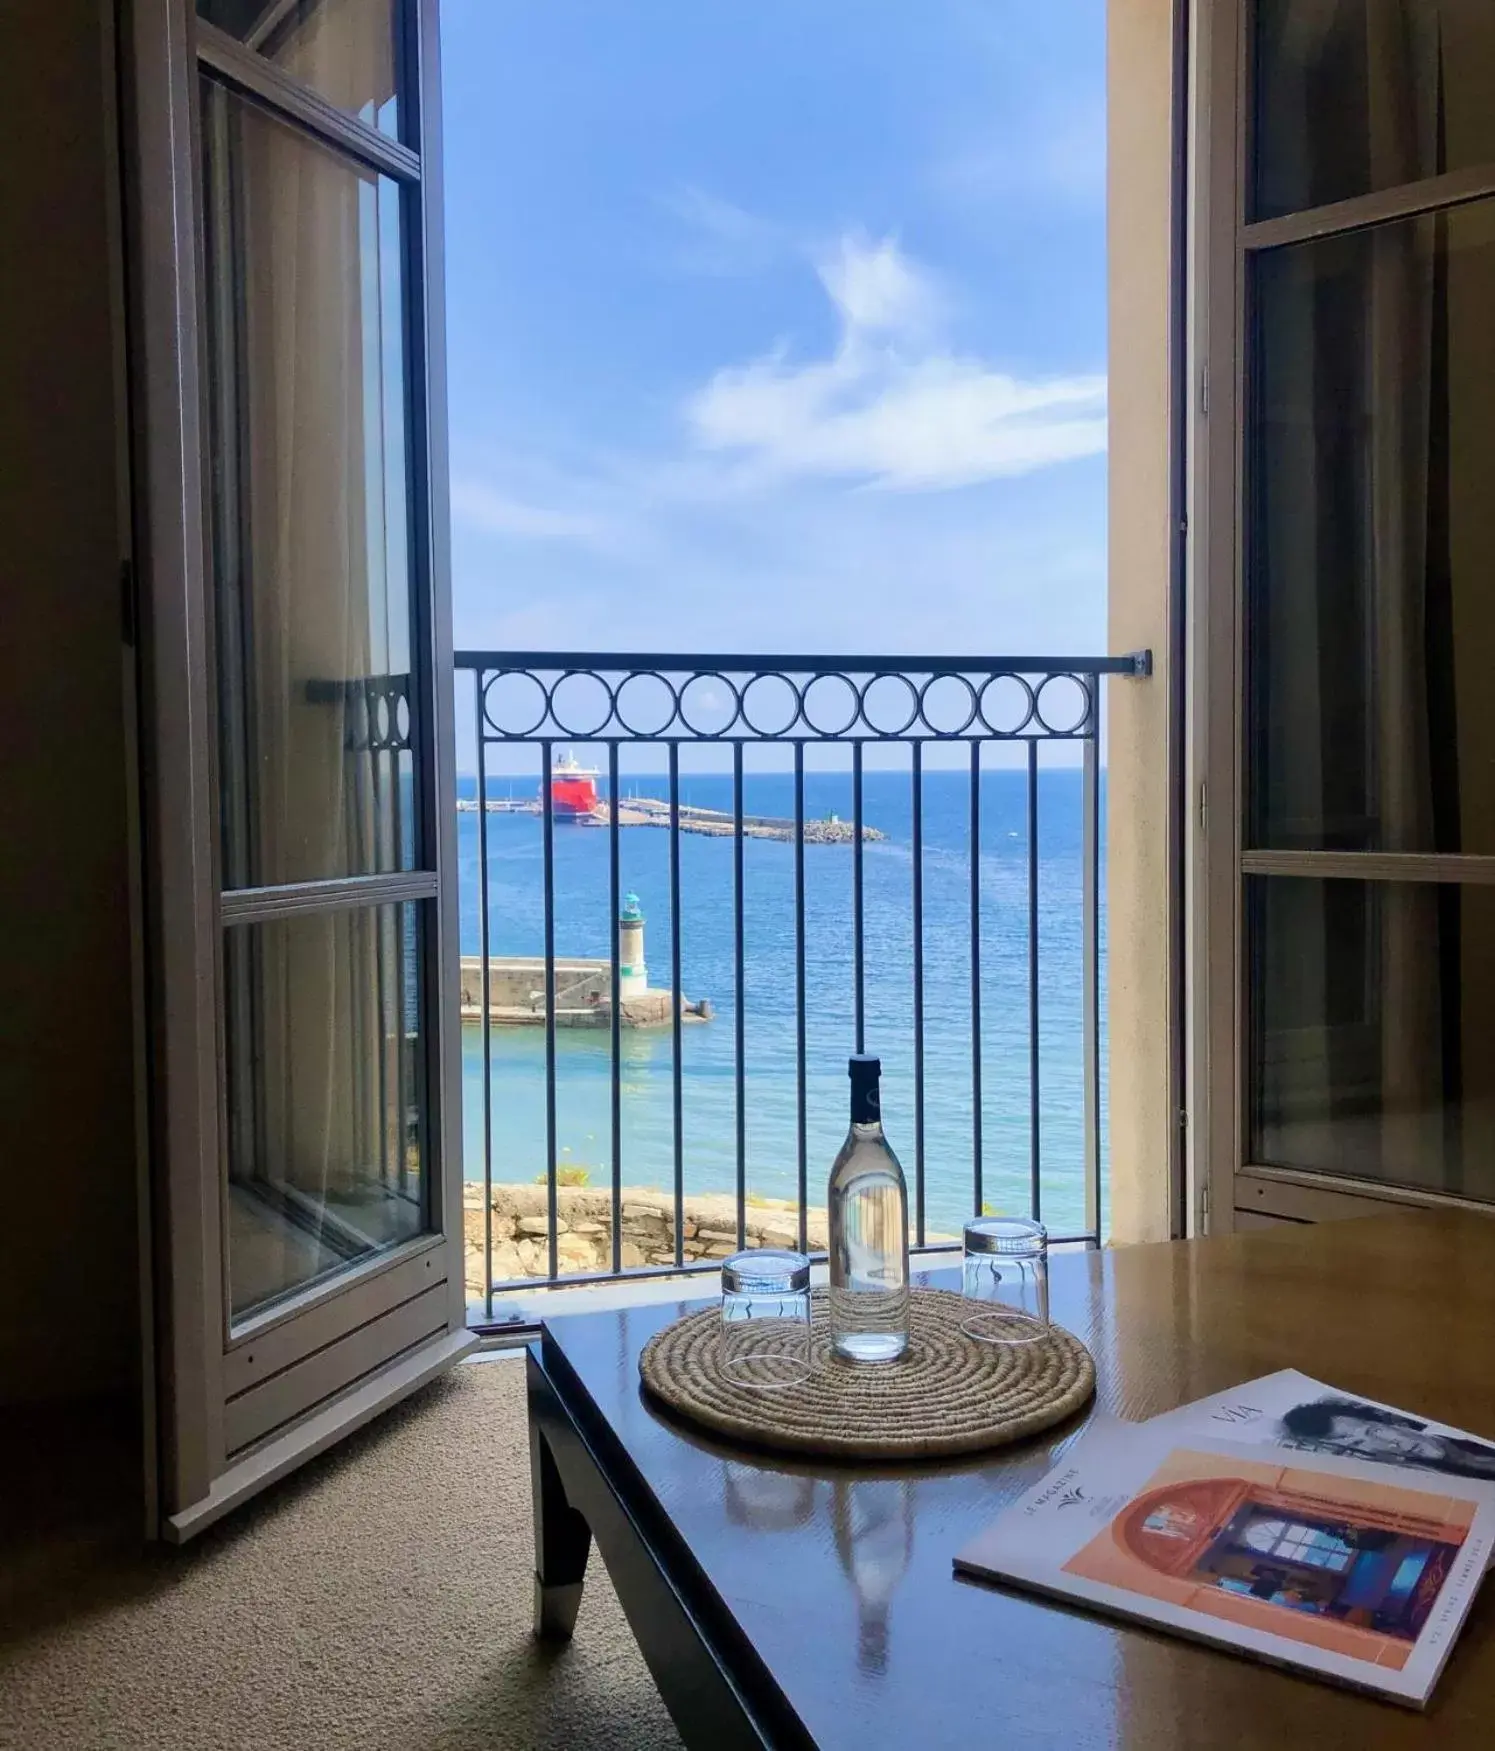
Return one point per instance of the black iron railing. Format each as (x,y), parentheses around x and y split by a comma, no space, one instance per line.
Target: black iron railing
(552,701)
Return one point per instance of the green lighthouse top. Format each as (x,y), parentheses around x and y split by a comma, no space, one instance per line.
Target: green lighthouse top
(632,912)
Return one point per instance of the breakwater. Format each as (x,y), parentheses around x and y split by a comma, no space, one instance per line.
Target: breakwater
(583,995)
(643,811)
(646,811)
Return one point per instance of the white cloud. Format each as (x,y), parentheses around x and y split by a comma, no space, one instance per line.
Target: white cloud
(721,238)
(1004,567)
(877,289)
(498,513)
(1049,156)
(890,406)
(745,537)
(544,620)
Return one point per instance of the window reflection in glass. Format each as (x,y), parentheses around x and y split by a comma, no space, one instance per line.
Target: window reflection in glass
(1370,619)
(345,50)
(1298,1543)
(325,1097)
(311,566)
(1355,96)
(1373,1030)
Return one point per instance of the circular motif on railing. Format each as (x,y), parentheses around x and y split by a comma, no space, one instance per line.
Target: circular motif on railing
(1006,705)
(947,703)
(709,704)
(515,703)
(890,704)
(770,704)
(831,705)
(402,718)
(645,704)
(381,725)
(1047,703)
(581,703)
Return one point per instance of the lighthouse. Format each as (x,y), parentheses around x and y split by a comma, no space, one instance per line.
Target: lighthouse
(633,975)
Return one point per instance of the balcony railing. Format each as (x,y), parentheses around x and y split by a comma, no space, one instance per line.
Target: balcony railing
(897,731)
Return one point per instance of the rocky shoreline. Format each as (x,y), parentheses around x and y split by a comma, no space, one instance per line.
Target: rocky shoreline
(584,1229)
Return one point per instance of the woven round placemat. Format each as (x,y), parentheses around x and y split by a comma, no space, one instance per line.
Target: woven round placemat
(947,1394)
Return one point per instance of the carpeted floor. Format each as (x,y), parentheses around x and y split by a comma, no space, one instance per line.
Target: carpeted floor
(379,1599)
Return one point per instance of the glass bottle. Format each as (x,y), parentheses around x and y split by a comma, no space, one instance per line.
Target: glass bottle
(867,1210)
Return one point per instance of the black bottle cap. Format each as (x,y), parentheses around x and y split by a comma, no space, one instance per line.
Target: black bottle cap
(866,1100)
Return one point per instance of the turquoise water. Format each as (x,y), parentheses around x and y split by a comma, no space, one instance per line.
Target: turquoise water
(583,1060)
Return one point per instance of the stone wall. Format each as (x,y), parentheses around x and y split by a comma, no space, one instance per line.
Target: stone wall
(583,995)
(584,1229)
(518,982)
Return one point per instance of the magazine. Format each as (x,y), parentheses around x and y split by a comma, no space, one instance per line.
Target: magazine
(1290,1409)
(1331,1566)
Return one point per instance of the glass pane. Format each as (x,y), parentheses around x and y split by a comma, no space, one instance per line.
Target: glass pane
(1373,1031)
(326,1096)
(311,557)
(345,50)
(1371,539)
(1358,95)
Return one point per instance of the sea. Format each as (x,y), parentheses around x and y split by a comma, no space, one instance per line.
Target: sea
(707,970)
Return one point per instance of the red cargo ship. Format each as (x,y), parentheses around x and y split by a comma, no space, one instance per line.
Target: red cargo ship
(573,790)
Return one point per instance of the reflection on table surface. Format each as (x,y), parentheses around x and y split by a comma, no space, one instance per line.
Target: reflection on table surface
(841,1576)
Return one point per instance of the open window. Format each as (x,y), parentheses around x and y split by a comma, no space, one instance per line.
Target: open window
(287,392)
(1345,261)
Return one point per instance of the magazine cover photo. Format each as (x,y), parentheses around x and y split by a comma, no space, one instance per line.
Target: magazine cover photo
(1349,1566)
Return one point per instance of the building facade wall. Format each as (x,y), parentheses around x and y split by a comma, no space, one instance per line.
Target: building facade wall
(1143,1102)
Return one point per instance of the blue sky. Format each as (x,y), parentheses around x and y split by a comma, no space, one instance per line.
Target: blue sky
(777,324)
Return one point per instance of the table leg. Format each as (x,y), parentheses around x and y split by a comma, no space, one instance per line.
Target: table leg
(562,1542)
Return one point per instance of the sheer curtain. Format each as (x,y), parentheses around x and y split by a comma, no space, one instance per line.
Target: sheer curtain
(1403,55)
(314,655)
(1350,461)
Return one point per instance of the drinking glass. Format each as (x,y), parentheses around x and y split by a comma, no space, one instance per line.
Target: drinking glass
(765,1335)
(1005,1280)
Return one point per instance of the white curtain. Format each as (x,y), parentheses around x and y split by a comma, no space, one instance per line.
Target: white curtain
(316,587)
(1402,54)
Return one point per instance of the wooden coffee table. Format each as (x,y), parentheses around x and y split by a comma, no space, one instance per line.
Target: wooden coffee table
(780,1604)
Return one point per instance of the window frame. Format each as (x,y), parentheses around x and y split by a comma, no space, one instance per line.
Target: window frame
(1225,1180)
(210,1368)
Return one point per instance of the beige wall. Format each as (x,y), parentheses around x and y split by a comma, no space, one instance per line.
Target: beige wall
(1139,91)
(68,1300)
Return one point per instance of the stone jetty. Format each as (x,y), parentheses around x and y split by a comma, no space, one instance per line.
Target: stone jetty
(643,811)
(648,811)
